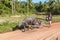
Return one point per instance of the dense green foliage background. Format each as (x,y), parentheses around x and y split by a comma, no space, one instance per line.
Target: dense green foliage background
(9,7)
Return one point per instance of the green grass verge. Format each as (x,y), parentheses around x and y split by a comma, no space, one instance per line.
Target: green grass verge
(56,18)
(7,26)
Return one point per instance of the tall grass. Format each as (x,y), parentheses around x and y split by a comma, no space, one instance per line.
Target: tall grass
(56,18)
(7,26)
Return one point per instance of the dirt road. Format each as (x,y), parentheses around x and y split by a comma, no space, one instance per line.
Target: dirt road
(45,33)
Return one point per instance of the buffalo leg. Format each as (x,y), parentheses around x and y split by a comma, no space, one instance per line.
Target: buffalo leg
(30,27)
(24,29)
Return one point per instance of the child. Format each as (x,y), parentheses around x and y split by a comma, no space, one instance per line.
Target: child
(49,19)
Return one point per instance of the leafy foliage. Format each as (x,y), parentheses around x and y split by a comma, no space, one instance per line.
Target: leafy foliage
(28,6)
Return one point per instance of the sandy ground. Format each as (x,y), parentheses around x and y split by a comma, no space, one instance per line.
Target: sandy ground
(45,33)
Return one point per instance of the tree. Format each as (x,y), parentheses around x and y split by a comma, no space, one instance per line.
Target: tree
(12,7)
(29,4)
(51,6)
(39,7)
(57,7)
(23,7)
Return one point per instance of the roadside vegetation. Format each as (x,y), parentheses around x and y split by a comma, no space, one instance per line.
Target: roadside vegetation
(11,22)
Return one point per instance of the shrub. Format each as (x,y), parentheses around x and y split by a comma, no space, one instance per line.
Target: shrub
(7,26)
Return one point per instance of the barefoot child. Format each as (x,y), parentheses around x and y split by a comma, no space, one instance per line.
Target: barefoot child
(49,19)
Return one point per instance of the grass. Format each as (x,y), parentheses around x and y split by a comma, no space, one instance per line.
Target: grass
(7,26)
(12,21)
(56,18)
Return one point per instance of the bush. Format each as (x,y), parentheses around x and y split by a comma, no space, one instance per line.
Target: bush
(7,26)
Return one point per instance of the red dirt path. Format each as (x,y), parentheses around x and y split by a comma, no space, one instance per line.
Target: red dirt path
(45,33)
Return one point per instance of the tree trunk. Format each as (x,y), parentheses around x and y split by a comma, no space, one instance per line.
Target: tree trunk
(28,6)
(12,8)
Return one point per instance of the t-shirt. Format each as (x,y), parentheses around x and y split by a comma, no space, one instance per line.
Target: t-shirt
(48,17)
